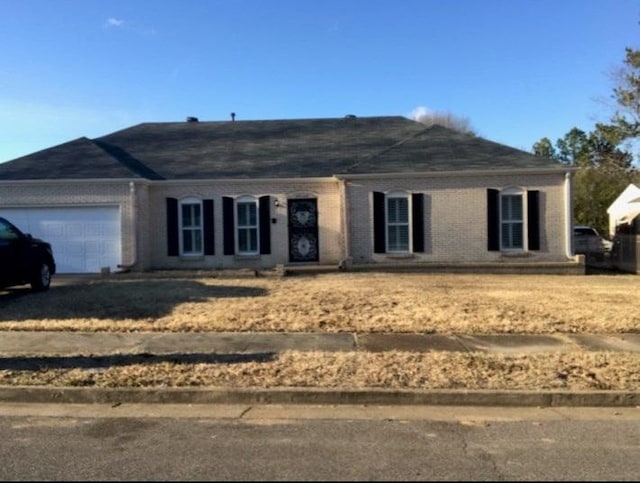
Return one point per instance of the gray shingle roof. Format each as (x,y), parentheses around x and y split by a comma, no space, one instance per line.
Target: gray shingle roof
(77,159)
(271,149)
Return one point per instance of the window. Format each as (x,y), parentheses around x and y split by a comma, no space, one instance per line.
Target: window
(191,227)
(7,232)
(515,219)
(398,223)
(511,221)
(247,226)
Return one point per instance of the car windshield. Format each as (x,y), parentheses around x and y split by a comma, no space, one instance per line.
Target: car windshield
(585,231)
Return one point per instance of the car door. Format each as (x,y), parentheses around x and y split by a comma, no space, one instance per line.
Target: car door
(11,253)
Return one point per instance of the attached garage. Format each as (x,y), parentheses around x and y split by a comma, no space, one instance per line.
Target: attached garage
(84,239)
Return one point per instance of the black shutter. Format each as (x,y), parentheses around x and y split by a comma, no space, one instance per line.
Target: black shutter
(173,241)
(265,224)
(379,224)
(533,219)
(493,220)
(207,216)
(417,220)
(228,233)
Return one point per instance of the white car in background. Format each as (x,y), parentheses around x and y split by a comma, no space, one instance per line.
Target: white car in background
(588,242)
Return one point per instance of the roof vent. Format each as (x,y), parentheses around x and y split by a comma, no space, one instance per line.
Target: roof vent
(233,116)
(350,116)
(192,119)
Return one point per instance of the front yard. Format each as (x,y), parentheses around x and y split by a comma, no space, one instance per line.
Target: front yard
(363,302)
(371,302)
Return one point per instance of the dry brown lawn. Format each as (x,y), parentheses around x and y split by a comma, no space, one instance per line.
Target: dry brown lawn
(363,302)
(352,302)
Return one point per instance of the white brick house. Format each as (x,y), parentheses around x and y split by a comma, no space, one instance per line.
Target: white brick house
(350,191)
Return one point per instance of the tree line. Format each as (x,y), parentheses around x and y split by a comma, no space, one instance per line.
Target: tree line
(603,157)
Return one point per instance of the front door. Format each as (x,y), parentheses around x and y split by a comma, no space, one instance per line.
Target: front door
(303,230)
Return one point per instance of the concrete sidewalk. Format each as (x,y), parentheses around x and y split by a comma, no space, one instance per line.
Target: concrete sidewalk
(54,343)
(26,349)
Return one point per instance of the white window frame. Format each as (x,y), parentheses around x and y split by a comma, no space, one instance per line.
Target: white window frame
(247,227)
(509,222)
(398,224)
(196,229)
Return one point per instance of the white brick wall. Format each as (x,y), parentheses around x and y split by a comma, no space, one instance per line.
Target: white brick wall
(75,193)
(326,191)
(455,215)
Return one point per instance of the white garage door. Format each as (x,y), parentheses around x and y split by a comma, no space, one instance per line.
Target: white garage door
(84,240)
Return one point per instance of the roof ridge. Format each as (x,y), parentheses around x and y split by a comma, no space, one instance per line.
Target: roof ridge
(280,120)
(127,160)
(389,148)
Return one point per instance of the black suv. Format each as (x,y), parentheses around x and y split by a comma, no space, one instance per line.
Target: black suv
(24,259)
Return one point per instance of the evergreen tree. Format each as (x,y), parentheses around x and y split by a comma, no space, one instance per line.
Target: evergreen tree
(544,148)
(605,168)
(604,171)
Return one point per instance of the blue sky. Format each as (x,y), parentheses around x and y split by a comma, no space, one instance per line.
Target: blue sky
(518,70)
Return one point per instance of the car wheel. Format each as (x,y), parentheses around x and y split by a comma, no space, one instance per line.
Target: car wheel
(41,278)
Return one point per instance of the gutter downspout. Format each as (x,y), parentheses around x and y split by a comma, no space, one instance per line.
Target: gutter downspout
(345,264)
(568,243)
(134,222)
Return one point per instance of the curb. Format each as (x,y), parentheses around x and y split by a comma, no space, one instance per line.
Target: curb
(80,395)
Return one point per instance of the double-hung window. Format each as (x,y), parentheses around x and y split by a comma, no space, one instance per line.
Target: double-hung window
(247,225)
(512,220)
(397,214)
(398,222)
(191,226)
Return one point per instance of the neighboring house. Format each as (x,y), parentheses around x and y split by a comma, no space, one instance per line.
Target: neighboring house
(624,224)
(624,208)
(347,192)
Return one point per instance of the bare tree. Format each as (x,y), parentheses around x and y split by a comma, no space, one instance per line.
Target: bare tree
(446,119)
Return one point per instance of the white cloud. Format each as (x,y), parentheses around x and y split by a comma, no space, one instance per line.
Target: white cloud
(118,23)
(114,22)
(420,112)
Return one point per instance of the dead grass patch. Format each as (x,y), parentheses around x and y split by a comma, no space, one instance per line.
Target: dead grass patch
(437,370)
(364,302)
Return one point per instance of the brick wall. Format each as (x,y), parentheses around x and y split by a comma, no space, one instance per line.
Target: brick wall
(326,191)
(455,216)
(55,194)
